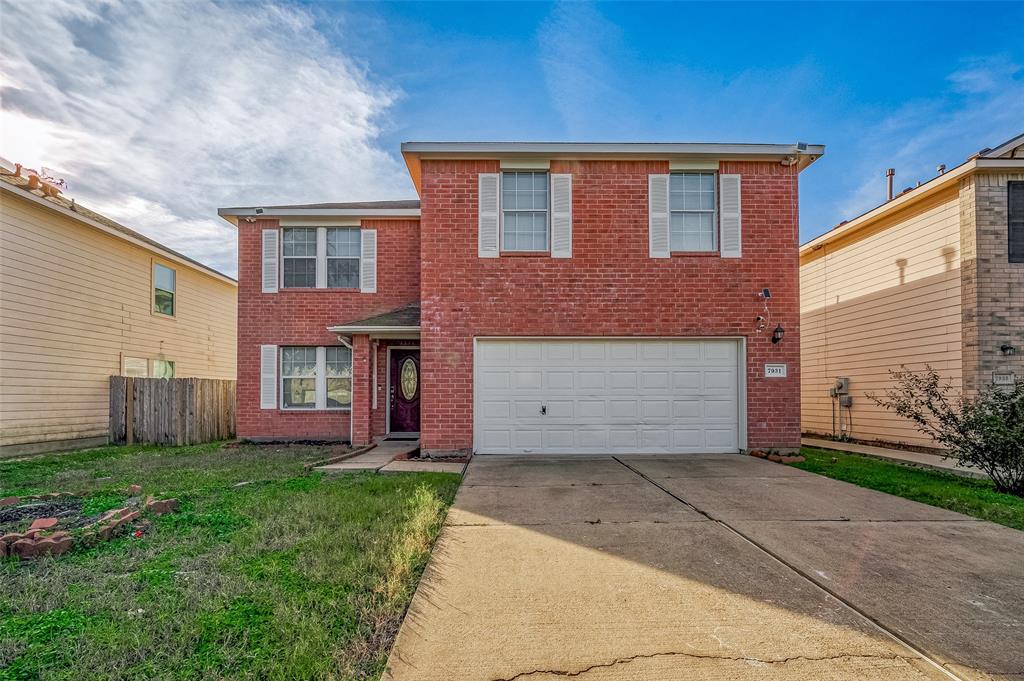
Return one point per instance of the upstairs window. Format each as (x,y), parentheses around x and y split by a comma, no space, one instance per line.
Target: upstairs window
(1015,219)
(343,247)
(298,252)
(524,211)
(693,206)
(321,257)
(163,289)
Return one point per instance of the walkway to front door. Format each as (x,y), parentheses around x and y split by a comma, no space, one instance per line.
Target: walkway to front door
(404,390)
(706,567)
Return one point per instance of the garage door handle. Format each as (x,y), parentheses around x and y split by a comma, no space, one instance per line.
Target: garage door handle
(543,409)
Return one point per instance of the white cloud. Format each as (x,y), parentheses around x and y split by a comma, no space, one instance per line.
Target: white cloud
(980,108)
(158,113)
(576,45)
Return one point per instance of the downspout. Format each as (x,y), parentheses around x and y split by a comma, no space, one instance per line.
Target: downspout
(347,342)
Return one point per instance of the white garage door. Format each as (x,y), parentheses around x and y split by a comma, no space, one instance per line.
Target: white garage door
(606,396)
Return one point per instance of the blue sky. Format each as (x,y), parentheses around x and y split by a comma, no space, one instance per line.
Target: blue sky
(204,105)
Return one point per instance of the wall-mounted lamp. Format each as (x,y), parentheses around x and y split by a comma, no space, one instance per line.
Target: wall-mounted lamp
(777,334)
(1008,349)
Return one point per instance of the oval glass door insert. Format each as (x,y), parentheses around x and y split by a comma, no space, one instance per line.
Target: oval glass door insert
(409,378)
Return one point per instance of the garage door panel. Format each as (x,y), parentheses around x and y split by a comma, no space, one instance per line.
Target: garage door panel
(496,410)
(605,396)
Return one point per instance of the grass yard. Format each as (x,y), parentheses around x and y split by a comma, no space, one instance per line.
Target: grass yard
(289,576)
(976,498)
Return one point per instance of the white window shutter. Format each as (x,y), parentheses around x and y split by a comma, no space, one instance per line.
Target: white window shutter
(270,260)
(731,224)
(368,261)
(487,246)
(657,215)
(561,216)
(268,377)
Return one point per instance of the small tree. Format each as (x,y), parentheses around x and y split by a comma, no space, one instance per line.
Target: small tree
(986,431)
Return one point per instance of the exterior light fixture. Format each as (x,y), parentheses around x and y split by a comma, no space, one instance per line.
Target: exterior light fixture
(1008,349)
(777,334)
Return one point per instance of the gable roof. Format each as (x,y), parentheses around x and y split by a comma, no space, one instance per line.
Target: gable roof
(17,185)
(1009,155)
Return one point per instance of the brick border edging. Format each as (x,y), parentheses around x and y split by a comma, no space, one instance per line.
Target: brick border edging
(341,457)
(37,541)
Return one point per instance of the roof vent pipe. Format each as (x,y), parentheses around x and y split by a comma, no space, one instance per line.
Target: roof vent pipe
(941,169)
(889,174)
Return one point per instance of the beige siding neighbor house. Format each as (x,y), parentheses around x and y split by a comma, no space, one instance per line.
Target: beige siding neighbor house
(932,277)
(83,298)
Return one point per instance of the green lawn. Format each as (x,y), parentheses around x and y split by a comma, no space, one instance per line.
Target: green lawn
(971,497)
(291,576)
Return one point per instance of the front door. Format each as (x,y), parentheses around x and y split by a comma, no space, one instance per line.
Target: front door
(404,391)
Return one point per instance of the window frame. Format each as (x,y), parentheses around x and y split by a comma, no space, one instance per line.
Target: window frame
(502,248)
(1013,186)
(319,379)
(315,257)
(320,258)
(154,288)
(716,241)
(153,365)
(327,257)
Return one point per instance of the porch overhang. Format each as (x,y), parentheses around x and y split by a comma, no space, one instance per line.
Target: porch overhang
(402,322)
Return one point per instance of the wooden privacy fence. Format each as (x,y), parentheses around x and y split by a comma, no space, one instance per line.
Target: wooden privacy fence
(171,411)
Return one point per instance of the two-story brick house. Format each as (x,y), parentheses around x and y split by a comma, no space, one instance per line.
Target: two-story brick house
(539,298)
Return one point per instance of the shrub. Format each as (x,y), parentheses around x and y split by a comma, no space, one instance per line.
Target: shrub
(985,431)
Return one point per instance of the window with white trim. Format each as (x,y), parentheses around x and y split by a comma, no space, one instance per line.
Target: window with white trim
(339,377)
(316,377)
(298,255)
(693,212)
(343,249)
(524,211)
(318,257)
(163,368)
(164,286)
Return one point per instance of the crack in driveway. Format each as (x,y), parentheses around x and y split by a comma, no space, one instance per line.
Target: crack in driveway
(701,656)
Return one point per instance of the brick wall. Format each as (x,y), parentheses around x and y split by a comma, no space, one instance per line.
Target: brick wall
(992,288)
(301,317)
(610,286)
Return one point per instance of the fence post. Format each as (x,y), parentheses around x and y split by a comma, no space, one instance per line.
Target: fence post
(129,410)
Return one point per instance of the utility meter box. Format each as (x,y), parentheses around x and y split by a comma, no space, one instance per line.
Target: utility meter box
(846,401)
(842,386)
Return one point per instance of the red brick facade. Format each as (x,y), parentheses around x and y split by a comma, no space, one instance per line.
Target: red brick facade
(302,316)
(610,287)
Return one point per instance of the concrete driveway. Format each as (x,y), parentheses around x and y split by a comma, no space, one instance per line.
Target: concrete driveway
(707,567)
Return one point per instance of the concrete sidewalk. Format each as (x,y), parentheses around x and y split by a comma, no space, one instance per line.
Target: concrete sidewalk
(934,461)
(706,567)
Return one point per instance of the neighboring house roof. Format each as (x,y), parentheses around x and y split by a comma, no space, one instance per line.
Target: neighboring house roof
(1009,155)
(17,185)
(800,154)
(405,318)
(408,208)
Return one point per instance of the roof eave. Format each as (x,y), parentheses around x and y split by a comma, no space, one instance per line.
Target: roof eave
(415,152)
(930,187)
(162,251)
(369,213)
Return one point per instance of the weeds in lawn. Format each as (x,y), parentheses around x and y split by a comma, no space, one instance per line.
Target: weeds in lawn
(292,576)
